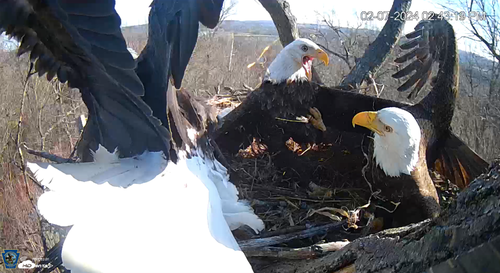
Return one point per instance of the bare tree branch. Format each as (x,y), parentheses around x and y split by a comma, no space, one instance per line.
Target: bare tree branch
(48,156)
(347,41)
(283,19)
(269,241)
(460,238)
(227,10)
(344,58)
(483,21)
(377,52)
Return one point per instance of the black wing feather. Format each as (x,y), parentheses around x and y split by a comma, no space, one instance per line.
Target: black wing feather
(173,32)
(435,42)
(117,117)
(105,24)
(421,52)
(210,12)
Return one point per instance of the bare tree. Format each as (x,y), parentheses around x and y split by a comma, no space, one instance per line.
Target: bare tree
(480,17)
(377,52)
(482,20)
(226,12)
(348,40)
(283,19)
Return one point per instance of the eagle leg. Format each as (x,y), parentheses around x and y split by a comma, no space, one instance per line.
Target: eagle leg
(315,119)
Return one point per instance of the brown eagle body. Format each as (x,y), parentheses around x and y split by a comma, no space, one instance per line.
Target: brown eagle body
(440,148)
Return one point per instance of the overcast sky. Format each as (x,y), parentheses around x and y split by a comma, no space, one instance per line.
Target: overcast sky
(345,13)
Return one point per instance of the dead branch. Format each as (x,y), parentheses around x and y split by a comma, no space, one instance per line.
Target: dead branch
(344,58)
(347,41)
(48,156)
(309,252)
(377,52)
(248,88)
(489,29)
(22,162)
(262,242)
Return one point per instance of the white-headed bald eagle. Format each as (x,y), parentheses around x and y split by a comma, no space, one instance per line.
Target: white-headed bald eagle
(396,140)
(142,203)
(410,139)
(294,62)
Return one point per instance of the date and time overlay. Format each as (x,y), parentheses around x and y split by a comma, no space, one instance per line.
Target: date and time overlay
(423,15)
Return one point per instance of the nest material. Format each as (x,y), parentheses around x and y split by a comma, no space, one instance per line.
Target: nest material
(286,205)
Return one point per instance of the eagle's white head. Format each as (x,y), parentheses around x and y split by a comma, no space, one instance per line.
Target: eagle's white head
(397,139)
(294,62)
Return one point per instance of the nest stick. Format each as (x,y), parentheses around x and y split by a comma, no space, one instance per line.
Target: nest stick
(309,252)
(269,241)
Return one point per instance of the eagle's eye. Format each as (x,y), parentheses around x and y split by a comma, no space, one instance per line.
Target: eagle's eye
(388,129)
(304,48)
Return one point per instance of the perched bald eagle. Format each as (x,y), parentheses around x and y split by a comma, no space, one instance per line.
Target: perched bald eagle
(142,202)
(410,139)
(294,64)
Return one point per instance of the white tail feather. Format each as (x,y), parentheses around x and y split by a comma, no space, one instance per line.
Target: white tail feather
(237,212)
(116,205)
(102,155)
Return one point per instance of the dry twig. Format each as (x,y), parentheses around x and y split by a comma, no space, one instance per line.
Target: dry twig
(48,156)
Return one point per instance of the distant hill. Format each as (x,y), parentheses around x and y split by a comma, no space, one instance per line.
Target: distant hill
(267,28)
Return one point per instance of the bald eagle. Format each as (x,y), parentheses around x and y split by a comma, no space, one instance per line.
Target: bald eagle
(396,141)
(294,62)
(140,194)
(413,138)
(410,139)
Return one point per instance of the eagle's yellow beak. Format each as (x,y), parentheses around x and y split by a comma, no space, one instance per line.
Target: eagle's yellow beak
(369,120)
(321,55)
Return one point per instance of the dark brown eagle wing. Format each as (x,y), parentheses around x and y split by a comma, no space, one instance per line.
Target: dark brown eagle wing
(458,163)
(81,42)
(433,42)
(426,45)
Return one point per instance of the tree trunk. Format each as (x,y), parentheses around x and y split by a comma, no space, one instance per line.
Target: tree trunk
(283,19)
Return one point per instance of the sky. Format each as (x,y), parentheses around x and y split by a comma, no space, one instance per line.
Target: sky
(344,13)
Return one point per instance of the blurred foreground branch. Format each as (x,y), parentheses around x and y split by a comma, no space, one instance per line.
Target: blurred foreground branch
(309,252)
